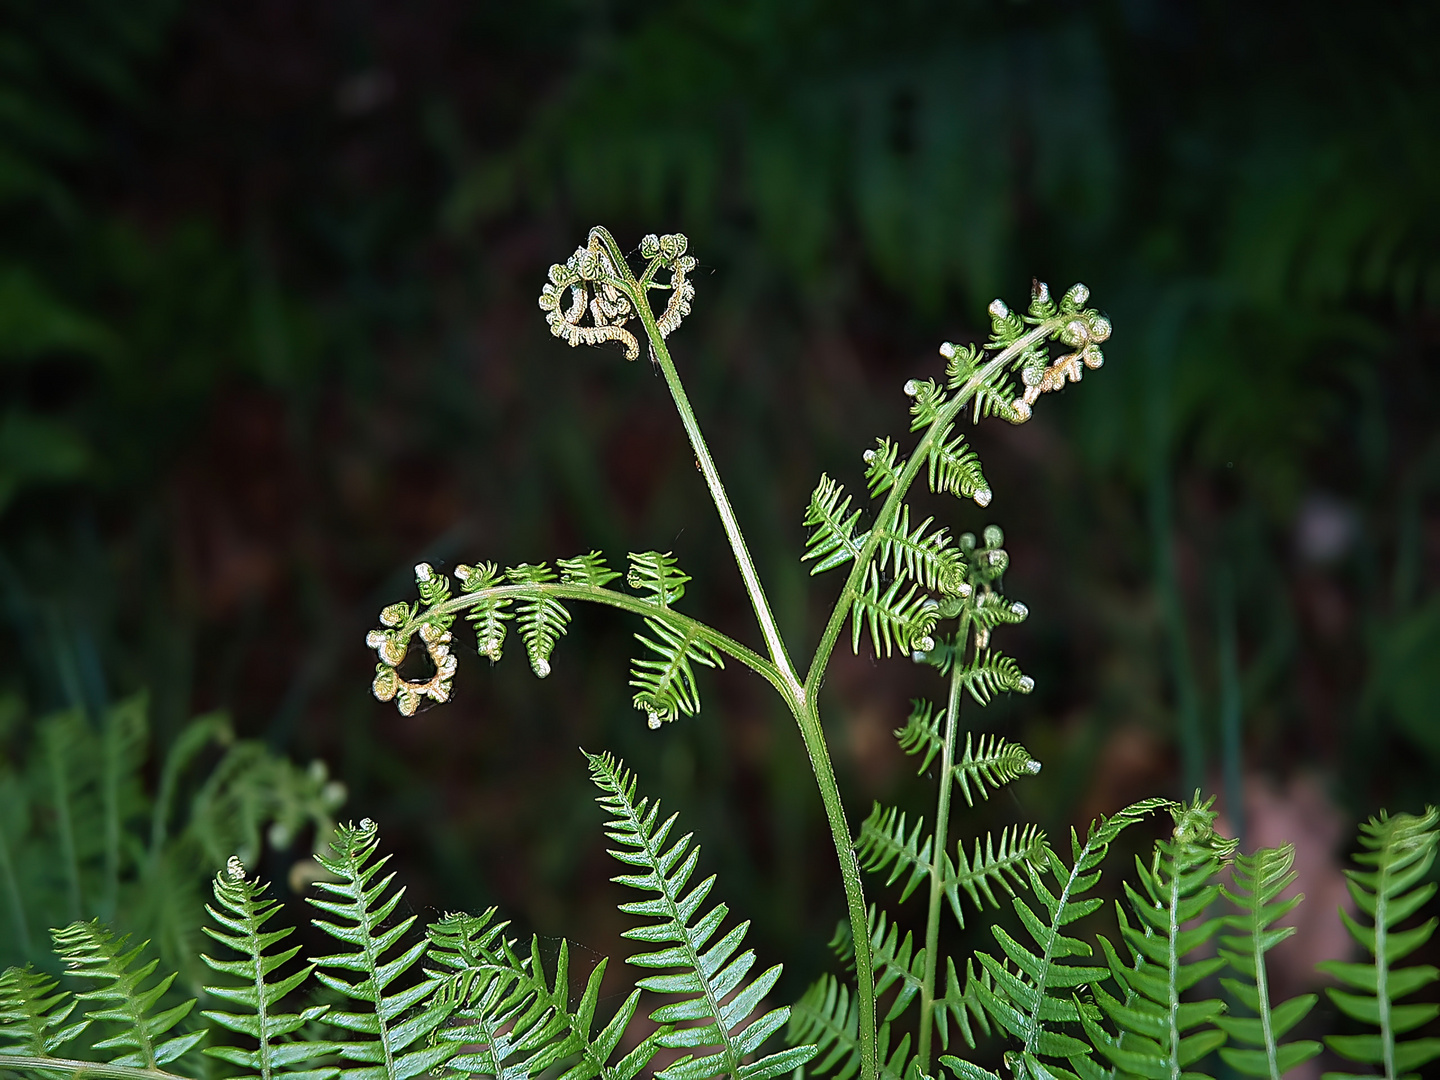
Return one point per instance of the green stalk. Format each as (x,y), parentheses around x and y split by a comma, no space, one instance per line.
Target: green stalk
(942,839)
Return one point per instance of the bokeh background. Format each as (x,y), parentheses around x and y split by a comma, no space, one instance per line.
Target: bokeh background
(268,337)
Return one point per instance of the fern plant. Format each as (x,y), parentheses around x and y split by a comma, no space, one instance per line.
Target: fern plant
(902,579)
(1398,852)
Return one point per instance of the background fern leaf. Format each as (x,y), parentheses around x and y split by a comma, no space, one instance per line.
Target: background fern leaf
(1258,880)
(1400,850)
(33,1014)
(716,1000)
(243,912)
(665,685)
(828,1017)
(833,541)
(91,951)
(390,1028)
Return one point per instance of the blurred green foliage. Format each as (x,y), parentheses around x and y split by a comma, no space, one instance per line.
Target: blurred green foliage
(268,338)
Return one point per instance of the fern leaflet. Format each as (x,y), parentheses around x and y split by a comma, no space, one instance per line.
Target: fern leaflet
(708,975)
(1400,850)
(833,541)
(489,615)
(540,620)
(955,468)
(1258,880)
(991,762)
(882,467)
(665,686)
(243,912)
(883,843)
(33,1014)
(91,951)
(828,1017)
(1018,851)
(893,620)
(991,673)
(926,559)
(586,570)
(390,1027)
(658,574)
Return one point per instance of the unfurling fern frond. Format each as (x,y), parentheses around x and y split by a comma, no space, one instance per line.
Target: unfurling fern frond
(657,573)
(915,555)
(833,541)
(587,569)
(929,400)
(1161,1034)
(990,673)
(243,911)
(991,762)
(1258,880)
(882,467)
(389,1025)
(1399,852)
(540,620)
(665,685)
(35,1015)
(490,614)
(1031,1000)
(511,1019)
(955,468)
(90,951)
(708,974)
(906,621)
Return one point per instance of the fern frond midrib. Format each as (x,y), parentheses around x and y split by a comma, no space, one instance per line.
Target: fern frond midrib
(257,967)
(79,1068)
(1172,957)
(1048,959)
(1382,966)
(372,963)
(672,906)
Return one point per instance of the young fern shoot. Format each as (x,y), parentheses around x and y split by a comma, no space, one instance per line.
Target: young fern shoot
(903,579)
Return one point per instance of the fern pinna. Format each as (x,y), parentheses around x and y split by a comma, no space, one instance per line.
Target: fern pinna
(717,999)
(1398,853)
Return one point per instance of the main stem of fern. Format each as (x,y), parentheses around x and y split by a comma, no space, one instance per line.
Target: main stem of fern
(802,704)
(942,839)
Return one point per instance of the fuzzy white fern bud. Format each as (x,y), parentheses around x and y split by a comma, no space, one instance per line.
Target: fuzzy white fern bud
(983,497)
(424,571)
(947,350)
(234,868)
(652,720)
(1025,685)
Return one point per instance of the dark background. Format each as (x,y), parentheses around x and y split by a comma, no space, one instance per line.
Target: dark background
(268,337)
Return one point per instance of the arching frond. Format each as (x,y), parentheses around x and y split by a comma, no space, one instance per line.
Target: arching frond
(390,1025)
(708,974)
(243,911)
(91,952)
(882,467)
(990,673)
(1259,880)
(1035,995)
(540,620)
(665,685)
(1160,1031)
(832,541)
(657,573)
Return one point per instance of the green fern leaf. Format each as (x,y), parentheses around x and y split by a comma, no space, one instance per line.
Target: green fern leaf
(511,1019)
(922,733)
(390,1026)
(991,763)
(587,570)
(963,1004)
(708,973)
(1030,999)
(884,843)
(91,951)
(540,620)
(1399,852)
(243,911)
(33,1014)
(665,686)
(895,961)
(1018,851)
(929,400)
(914,555)
(990,673)
(1161,1034)
(833,541)
(1258,880)
(882,467)
(892,619)
(658,574)
(489,615)
(955,468)
(828,1017)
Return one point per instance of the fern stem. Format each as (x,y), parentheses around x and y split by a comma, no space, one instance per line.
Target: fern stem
(1262,979)
(1173,960)
(77,1068)
(1382,966)
(942,840)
